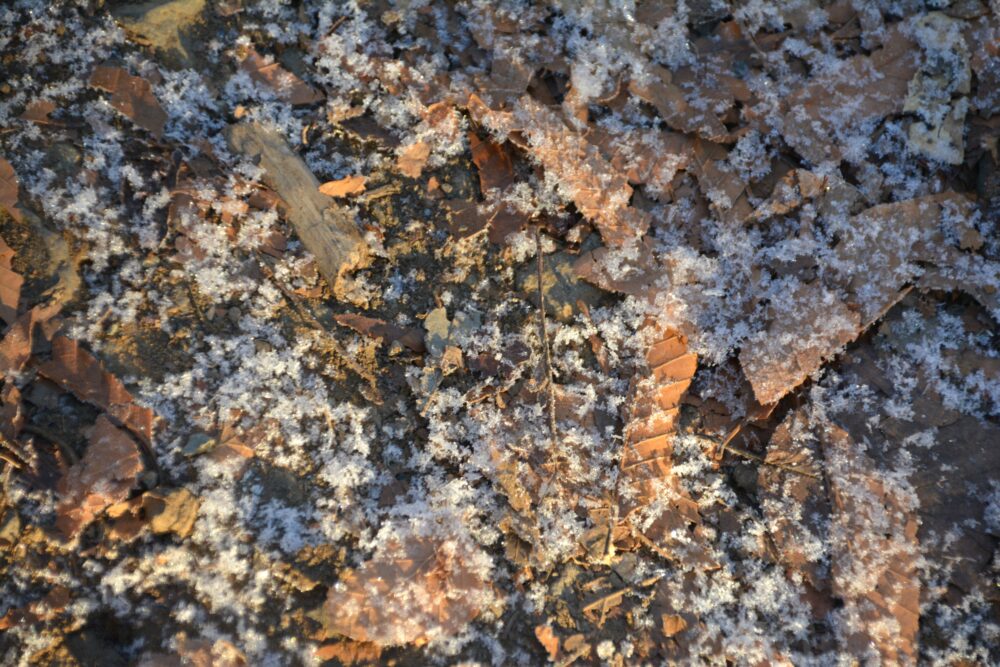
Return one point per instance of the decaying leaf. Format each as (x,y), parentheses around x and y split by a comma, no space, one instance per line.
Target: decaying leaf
(548,639)
(350,653)
(805,330)
(132,96)
(345,187)
(413,589)
(265,70)
(863,89)
(9,189)
(493,163)
(104,476)
(10,285)
(672,105)
(875,554)
(412,159)
(78,371)
(370,326)
(38,112)
(598,190)
(647,477)
(861,522)
(876,257)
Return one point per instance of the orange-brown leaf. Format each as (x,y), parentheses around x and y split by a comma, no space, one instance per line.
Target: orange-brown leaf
(412,159)
(496,170)
(9,189)
(647,463)
(78,371)
(345,187)
(132,96)
(288,87)
(599,191)
(10,285)
(410,591)
(103,477)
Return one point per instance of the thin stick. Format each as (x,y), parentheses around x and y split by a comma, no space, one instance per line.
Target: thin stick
(545,343)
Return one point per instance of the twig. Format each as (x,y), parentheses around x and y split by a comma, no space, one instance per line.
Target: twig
(545,343)
(726,447)
(379,193)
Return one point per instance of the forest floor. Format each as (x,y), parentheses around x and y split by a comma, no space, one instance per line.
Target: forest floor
(499,332)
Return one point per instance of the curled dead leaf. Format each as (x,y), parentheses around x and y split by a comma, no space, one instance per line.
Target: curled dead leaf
(344,187)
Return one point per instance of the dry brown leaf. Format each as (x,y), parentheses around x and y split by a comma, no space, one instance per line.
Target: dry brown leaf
(499,218)
(104,476)
(805,330)
(549,640)
(132,96)
(78,371)
(794,505)
(875,554)
(38,112)
(496,170)
(865,88)
(290,88)
(345,187)
(876,254)
(600,192)
(647,463)
(10,285)
(408,592)
(175,512)
(798,186)
(672,105)
(412,159)
(370,326)
(197,653)
(9,190)
(672,624)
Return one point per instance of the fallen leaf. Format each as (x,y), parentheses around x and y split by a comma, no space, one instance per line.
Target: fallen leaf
(413,589)
(78,371)
(345,187)
(10,285)
(672,624)
(412,159)
(132,96)
(600,192)
(862,89)
(104,476)
(874,555)
(805,329)
(292,89)
(349,653)
(38,112)
(163,25)
(370,326)
(548,639)
(647,474)
(9,190)
(496,170)
(672,105)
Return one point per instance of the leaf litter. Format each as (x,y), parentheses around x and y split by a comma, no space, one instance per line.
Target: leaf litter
(507,333)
